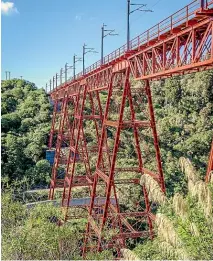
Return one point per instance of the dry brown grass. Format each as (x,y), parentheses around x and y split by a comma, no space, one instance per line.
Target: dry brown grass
(179,205)
(154,191)
(197,188)
(188,169)
(177,253)
(194,230)
(166,231)
(128,254)
(169,241)
(202,192)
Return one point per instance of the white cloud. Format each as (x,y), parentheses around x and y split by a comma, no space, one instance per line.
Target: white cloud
(78,17)
(8,8)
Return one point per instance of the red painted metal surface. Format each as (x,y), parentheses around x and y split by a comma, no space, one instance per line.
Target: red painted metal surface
(210,165)
(185,51)
(62,127)
(180,44)
(80,154)
(106,171)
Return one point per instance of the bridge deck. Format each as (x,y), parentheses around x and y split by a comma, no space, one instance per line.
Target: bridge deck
(182,19)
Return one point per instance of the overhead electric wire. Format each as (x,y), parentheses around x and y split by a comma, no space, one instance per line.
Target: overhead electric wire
(133,20)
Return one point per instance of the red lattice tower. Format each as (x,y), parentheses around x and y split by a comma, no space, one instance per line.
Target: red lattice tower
(111,214)
(61,126)
(82,155)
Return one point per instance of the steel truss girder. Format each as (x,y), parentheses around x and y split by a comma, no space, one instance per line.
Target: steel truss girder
(191,22)
(189,50)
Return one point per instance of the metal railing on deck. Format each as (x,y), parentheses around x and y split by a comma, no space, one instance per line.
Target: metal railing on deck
(180,17)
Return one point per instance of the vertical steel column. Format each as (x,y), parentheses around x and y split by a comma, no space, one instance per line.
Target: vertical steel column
(58,146)
(115,149)
(100,148)
(65,196)
(210,164)
(140,161)
(76,147)
(154,131)
(79,145)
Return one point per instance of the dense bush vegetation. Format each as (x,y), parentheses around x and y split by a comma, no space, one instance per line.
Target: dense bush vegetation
(30,234)
(25,126)
(184,114)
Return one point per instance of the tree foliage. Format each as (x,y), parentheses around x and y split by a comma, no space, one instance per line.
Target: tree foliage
(184,114)
(25,127)
(32,235)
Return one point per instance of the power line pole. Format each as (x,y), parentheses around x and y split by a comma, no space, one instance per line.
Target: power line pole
(103,35)
(46,87)
(7,75)
(61,73)
(128,17)
(67,67)
(50,85)
(53,82)
(85,51)
(204,4)
(65,71)
(56,80)
(75,60)
(128,24)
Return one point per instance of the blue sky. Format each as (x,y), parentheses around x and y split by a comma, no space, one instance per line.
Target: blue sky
(39,36)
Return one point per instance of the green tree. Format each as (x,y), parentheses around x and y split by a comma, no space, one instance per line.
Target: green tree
(25,128)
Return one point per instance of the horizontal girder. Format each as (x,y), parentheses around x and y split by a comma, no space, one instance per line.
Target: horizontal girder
(181,43)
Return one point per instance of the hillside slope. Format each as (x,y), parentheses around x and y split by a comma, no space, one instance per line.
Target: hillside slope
(184,115)
(25,126)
